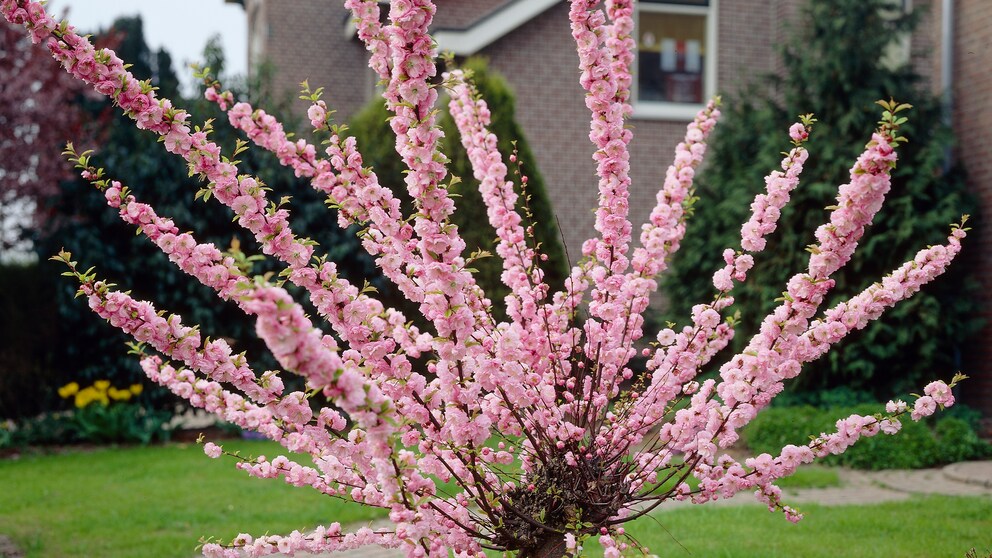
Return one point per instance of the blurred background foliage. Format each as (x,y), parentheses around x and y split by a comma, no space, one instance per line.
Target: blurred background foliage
(51,338)
(66,342)
(48,338)
(372,123)
(836,69)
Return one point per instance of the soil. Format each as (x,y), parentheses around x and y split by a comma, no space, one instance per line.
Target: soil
(8,549)
(186,436)
(190,436)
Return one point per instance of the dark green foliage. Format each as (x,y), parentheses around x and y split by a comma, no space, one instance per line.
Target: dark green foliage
(94,233)
(120,423)
(842,396)
(117,423)
(28,338)
(959,441)
(944,439)
(371,125)
(835,70)
(44,429)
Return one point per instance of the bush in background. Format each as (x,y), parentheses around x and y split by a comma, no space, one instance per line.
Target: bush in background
(68,345)
(839,75)
(101,413)
(918,445)
(371,124)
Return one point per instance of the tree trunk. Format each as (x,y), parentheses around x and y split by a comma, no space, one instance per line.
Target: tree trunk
(551,546)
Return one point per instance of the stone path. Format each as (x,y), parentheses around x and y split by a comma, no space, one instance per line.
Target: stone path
(8,549)
(972,478)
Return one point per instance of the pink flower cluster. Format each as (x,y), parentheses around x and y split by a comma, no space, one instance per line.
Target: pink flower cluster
(505,412)
(767,208)
(605,54)
(525,279)
(663,235)
(857,203)
(868,305)
(680,356)
(323,539)
(282,323)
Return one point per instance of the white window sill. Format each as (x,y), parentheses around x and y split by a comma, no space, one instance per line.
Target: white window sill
(666,111)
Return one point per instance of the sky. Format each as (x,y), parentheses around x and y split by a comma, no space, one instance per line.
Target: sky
(182,27)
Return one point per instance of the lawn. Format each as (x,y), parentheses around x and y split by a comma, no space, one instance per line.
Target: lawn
(922,527)
(156,502)
(152,502)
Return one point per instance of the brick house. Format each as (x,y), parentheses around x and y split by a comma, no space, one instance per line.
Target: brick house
(688,51)
(969,76)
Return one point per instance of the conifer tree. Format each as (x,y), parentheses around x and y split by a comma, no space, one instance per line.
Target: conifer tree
(470,211)
(837,66)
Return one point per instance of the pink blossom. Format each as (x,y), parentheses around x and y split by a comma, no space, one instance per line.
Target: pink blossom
(317,113)
(924,407)
(940,393)
(798,132)
(212,450)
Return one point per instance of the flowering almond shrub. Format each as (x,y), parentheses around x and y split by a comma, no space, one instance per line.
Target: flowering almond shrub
(529,435)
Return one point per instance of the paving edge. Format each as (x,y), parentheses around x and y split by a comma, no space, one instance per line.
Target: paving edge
(950,471)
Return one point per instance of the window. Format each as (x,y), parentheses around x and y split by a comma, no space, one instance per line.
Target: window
(898,53)
(675,71)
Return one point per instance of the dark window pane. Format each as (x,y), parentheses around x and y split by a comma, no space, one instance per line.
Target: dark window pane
(671,57)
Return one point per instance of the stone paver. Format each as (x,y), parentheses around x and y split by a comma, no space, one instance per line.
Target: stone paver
(856,487)
(928,481)
(977,473)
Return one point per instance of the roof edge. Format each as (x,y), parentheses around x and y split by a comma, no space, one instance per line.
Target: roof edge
(485,31)
(491,28)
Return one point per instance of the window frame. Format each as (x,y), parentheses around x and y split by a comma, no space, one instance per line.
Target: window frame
(664,110)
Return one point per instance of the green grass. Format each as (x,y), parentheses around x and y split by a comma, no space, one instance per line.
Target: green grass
(811,476)
(153,502)
(922,527)
(156,502)
(807,476)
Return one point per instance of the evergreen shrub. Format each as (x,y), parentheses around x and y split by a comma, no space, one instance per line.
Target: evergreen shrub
(835,69)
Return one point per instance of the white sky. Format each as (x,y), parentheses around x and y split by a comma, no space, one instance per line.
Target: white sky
(182,27)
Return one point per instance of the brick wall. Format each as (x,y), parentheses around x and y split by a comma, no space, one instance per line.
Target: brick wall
(925,45)
(973,123)
(305,40)
(539,60)
(541,64)
(459,14)
(290,33)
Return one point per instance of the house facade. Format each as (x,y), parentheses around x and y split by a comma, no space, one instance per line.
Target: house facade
(968,78)
(688,50)
(711,46)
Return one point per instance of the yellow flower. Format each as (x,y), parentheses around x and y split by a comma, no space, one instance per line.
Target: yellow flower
(119,394)
(84,397)
(136,389)
(68,390)
(101,385)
